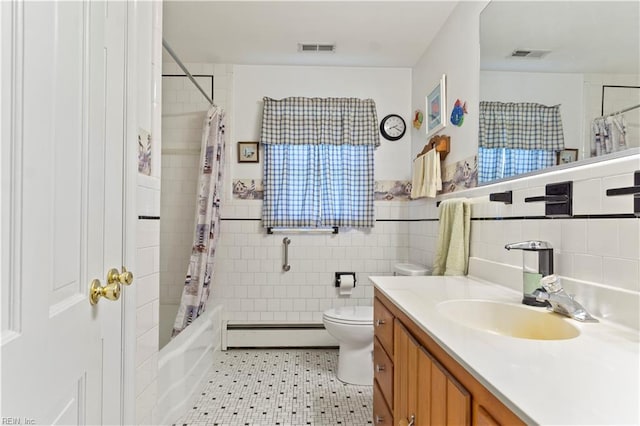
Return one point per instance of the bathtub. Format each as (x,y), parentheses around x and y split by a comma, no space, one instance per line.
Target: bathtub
(184,362)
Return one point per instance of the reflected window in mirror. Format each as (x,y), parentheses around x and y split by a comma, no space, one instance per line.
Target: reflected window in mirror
(565,53)
(500,163)
(517,138)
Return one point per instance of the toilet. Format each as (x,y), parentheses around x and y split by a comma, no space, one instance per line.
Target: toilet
(410,269)
(352,327)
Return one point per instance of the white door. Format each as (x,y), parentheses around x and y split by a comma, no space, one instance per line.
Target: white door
(63,138)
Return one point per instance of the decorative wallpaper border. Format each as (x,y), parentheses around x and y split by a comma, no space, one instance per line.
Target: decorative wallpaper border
(460,175)
(385,190)
(247,189)
(392,190)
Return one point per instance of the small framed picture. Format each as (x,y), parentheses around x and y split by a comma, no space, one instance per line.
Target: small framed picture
(248,152)
(565,156)
(436,107)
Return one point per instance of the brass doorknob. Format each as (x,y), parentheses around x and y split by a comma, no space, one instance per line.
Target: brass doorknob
(114,276)
(110,291)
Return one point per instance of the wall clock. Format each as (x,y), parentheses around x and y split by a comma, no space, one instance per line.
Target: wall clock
(392,127)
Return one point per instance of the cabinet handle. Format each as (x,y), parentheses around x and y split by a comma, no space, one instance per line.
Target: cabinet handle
(408,422)
(379,368)
(380,322)
(379,419)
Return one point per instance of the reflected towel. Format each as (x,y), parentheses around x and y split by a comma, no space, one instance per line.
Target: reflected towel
(418,177)
(432,176)
(452,249)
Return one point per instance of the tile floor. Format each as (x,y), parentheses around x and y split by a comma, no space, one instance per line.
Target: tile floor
(293,387)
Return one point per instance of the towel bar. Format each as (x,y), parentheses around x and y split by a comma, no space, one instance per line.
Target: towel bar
(503,197)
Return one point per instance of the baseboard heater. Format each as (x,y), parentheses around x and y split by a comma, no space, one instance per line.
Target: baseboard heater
(240,335)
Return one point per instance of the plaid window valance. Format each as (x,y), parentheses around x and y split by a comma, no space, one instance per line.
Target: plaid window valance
(311,121)
(522,125)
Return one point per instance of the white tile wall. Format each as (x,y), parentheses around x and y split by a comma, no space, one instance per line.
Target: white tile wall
(146,285)
(592,251)
(252,286)
(147,273)
(183,113)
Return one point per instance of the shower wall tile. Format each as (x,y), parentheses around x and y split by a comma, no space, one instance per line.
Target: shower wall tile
(184,110)
(250,282)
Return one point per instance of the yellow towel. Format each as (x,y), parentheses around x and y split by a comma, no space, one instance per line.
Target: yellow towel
(432,176)
(418,177)
(452,248)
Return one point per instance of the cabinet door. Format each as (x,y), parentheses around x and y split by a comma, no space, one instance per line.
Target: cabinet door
(405,383)
(447,400)
(483,418)
(381,413)
(383,371)
(423,389)
(383,325)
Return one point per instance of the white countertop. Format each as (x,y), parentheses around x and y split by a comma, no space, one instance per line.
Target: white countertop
(591,379)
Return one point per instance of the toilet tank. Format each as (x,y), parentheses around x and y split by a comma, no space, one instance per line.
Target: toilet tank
(410,269)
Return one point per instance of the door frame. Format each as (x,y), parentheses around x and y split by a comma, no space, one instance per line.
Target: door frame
(128,373)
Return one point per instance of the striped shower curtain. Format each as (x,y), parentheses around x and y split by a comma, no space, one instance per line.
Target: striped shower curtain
(207,226)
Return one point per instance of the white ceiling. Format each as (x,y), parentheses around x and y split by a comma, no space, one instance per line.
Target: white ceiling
(373,34)
(585,36)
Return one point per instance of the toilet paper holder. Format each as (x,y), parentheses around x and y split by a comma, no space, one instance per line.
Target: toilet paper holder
(340,274)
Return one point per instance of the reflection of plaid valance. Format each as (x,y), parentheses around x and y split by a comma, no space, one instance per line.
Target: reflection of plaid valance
(520,126)
(314,121)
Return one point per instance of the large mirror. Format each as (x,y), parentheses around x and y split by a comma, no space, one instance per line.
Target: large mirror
(573,65)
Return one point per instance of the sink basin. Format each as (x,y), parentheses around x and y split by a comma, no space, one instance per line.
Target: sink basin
(508,320)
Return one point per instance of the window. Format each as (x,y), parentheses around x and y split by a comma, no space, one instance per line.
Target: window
(319,167)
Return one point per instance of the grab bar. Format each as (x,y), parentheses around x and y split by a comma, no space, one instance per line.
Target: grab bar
(332,230)
(285,267)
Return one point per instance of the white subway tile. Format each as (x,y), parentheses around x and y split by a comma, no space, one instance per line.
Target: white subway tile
(306,316)
(587,196)
(147,289)
(623,273)
(629,238)
(602,237)
(246,305)
(587,267)
(145,261)
(574,235)
(146,346)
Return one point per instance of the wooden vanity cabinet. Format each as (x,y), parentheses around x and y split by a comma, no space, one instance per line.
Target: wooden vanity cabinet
(383,366)
(428,386)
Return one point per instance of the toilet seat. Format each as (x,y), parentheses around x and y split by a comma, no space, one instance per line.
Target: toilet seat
(351,315)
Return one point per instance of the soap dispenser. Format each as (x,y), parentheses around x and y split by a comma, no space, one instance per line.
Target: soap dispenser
(537,262)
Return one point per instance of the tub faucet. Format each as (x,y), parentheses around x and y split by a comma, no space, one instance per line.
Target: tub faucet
(560,301)
(537,262)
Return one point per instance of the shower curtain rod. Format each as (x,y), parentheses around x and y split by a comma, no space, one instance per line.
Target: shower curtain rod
(622,111)
(185,70)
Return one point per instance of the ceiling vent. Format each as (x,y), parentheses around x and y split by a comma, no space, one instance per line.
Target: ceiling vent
(529,53)
(316,47)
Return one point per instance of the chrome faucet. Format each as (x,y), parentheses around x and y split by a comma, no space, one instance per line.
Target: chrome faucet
(534,267)
(560,301)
